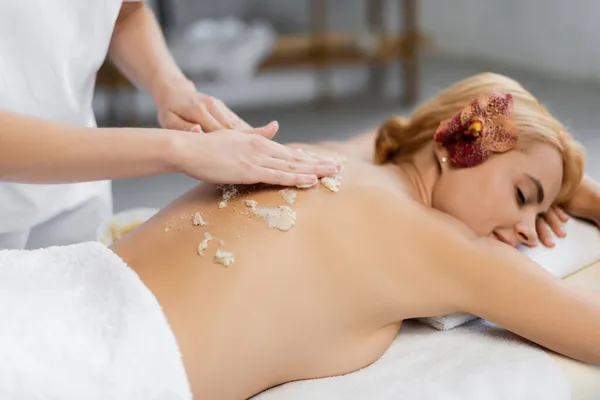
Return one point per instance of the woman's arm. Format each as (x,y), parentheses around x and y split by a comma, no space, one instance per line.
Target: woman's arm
(139,50)
(38,151)
(505,287)
(586,201)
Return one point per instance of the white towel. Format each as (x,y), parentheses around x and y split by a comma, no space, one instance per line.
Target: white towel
(474,362)
(77,323)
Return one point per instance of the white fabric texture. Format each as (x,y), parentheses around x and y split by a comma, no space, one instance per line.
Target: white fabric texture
(77,323)
(476,361)
(69,227)
(579,249)
(50,52)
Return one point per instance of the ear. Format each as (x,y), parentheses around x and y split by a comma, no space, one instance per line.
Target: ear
(441,154)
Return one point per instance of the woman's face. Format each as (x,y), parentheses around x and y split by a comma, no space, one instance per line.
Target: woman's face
(502,197)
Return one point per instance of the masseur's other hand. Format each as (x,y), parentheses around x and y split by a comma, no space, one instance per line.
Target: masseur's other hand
(551,222)
(233,156)
(180,107)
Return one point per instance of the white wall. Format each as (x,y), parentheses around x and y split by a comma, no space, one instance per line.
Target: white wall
(556,36)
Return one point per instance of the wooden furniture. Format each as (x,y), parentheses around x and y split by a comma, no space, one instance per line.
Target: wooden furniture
(321,49)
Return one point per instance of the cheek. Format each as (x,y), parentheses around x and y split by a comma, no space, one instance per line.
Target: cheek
(456,194)
(476,201)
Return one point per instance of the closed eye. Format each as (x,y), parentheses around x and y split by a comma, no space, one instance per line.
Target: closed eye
(521,200)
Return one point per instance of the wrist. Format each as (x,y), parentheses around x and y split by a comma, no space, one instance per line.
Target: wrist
(183,148)
(166,84)
(585,203)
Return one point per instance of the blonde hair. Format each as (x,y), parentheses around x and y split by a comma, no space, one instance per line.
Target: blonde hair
(400,138)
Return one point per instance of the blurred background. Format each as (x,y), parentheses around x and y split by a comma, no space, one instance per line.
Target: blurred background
(330,69)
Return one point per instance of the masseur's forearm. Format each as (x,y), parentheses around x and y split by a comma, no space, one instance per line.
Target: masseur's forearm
(38,151)
(139,50)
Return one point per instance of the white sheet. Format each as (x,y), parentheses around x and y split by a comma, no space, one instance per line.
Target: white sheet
(77,323)
(476,361)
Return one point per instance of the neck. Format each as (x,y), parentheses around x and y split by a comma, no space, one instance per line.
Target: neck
(422,172)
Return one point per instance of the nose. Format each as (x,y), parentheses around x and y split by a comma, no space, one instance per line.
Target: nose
(526,233)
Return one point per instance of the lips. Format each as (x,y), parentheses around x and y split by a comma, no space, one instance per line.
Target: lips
(503,239)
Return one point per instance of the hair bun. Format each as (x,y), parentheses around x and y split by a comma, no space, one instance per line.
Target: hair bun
(390,138)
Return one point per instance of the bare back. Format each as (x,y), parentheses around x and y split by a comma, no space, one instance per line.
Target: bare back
(324,298)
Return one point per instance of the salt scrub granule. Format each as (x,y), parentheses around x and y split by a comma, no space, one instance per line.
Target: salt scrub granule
(204,244)
(224,258)
(198,220)
(280,217)
(289,195)
(229,191)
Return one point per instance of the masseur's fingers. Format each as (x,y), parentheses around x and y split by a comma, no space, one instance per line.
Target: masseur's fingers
(218,111)
(268,131)
(281,178)
(196,128)
(295,156)
(236,122)
(543,232)
(224,116)
(300,167)
(207,121)
(176,123)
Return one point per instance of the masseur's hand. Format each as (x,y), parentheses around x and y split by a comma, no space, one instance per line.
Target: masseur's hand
(551,222)
(180,107)
(236,157)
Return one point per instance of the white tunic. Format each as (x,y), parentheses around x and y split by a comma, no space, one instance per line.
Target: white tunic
(50,52)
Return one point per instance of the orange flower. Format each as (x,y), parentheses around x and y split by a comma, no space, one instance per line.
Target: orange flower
(482,128)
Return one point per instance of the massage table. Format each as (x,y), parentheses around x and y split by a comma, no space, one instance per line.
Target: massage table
(584,379)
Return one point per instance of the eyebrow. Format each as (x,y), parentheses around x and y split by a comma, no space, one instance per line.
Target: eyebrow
(539,187)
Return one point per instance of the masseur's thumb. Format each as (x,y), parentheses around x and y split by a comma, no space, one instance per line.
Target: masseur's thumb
(267,131)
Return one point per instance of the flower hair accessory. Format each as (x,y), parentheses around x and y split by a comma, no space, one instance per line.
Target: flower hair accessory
(482,128)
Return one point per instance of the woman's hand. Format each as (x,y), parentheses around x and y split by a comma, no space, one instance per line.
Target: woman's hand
(551,221)
(236,157)
(584,204)
(180,107)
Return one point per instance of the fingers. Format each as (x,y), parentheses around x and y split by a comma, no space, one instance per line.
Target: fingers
(208,122)
(214,115)
(562,214)
(281,178)
(172,121)
(268,131)
(553,220)
(219,113)
(211,114)
(196,128)
(298,156)
(544,233)
(237,122)
(300,167)
(280,165)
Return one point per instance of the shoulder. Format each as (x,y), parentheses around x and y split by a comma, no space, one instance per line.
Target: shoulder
(359,147)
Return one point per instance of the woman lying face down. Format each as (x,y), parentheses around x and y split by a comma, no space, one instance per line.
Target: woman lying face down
(425,225)
(498,163)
